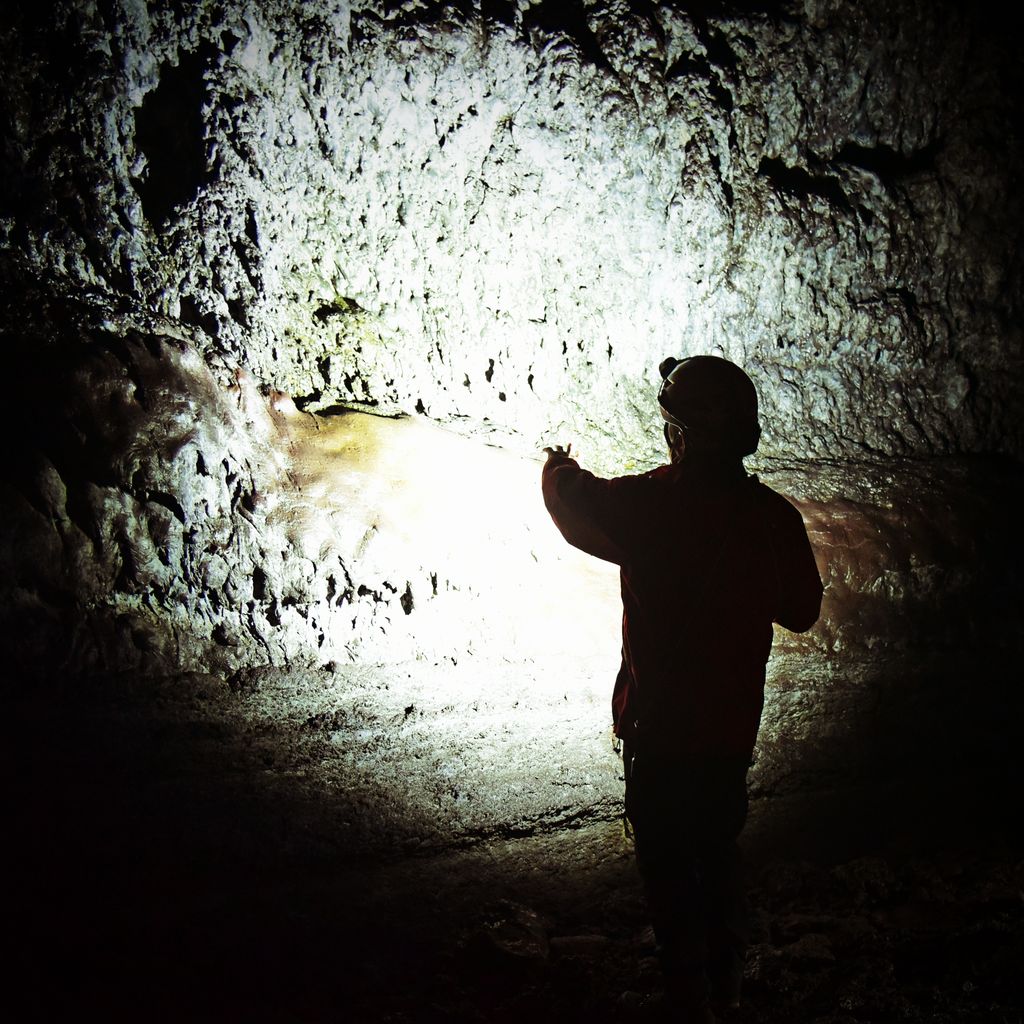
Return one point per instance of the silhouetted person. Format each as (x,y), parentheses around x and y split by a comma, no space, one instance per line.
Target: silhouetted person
(710,558)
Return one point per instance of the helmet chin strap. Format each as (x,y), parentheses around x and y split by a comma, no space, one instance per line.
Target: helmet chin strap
(672,423)
(667,416)
(675,438)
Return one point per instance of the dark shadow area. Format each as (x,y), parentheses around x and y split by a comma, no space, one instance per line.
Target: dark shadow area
(168,867)
(171,867)
(169,132)
(909,770)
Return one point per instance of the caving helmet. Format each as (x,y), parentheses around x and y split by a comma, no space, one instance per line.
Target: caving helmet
(712,401)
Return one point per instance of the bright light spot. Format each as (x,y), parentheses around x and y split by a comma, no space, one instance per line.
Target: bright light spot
(404,501)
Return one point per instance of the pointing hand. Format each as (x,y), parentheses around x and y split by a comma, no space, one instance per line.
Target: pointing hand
(558,452)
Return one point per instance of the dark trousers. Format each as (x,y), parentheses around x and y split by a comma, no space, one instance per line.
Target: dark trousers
(686,814)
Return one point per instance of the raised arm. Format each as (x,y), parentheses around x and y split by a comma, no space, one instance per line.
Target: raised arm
(588,511)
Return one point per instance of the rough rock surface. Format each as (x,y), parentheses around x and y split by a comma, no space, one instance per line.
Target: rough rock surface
(510,213)
(161,520)
(219,215)
(343,662)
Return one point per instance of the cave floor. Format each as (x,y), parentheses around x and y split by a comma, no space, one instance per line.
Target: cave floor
(156,876)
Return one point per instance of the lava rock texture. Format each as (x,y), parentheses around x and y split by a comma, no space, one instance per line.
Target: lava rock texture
(221,223)
(501,217)
(514,211)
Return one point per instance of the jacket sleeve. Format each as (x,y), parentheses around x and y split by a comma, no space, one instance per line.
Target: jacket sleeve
(799,589)
(592,514)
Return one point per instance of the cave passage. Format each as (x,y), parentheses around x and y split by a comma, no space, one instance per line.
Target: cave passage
(307,700)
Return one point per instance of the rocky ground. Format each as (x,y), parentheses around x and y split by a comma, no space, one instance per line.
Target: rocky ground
(176,861)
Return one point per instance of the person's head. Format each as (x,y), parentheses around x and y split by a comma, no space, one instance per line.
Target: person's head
(710,408)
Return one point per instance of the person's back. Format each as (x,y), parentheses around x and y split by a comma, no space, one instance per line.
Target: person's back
(709,559)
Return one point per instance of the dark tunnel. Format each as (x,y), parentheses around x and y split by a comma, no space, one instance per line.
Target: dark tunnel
(306,700)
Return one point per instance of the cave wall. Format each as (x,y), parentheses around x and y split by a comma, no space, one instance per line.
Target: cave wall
(219,218)
(512,213)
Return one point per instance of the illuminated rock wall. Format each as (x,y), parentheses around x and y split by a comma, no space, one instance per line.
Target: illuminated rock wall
(216,215)
(512,217)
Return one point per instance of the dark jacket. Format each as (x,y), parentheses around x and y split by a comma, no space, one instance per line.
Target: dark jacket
(710,558)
